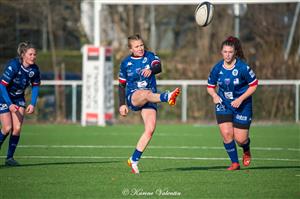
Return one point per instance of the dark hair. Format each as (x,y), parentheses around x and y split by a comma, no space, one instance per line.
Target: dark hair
(134,37)
(23,47)
(235,42)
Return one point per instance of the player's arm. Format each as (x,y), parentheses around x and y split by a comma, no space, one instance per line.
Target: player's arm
(250,77)
(211,86)
(34,95)
(6,78)
(154,69)
(35,83)
(122,87)
(123,109)
(5,94)
(252,87)
(212,92)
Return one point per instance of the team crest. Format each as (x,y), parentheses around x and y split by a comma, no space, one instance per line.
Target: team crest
(235,72)
(145,60)
(31,73)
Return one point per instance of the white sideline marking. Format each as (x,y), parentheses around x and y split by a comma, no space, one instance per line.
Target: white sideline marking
(153,147)
(146,157)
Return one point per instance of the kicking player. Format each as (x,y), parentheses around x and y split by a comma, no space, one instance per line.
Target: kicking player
(236,83)
(137,77)
(19,73)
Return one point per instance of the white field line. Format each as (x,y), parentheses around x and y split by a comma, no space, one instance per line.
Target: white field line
(154,147)
(146,157)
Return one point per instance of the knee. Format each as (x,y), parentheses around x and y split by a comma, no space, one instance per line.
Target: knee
(227,136)
(149,131)
(6,129)
(241,141)
(17,129)
(147,94)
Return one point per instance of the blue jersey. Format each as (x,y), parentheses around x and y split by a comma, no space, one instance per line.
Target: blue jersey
(232,82)
(17,78)
(130,72)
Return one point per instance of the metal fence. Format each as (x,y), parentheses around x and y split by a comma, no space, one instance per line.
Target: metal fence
(73,101)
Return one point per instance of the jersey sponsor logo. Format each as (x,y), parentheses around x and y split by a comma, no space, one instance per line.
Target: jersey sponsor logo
(235,72)
(236,81)
(145,60)
(3,107)
(31,73)
(142,84)
(228,95)
(241,117)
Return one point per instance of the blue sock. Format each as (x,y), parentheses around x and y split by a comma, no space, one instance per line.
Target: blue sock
(13,142)
(2,138)
(164,97)
(136,155)
(246,147)
(232,152)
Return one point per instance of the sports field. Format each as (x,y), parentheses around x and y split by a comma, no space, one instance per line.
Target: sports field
(182,161)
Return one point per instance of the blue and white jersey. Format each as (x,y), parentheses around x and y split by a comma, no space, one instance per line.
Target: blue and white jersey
(17,78)
(130,72)
(232,82)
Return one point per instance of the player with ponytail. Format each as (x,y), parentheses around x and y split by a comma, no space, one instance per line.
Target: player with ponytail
(236,83)
(19,73)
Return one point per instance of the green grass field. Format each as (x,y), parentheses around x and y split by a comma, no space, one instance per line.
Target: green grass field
(182,161)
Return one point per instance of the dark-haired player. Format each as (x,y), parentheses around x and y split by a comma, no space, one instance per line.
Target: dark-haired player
(236,83)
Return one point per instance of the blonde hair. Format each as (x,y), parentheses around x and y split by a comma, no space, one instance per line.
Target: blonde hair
(23,47)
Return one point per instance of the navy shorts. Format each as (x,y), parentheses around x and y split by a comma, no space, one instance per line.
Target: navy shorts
(240,117)
(4,107)
(148,105)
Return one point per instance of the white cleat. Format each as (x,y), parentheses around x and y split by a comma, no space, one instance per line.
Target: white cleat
(133,166)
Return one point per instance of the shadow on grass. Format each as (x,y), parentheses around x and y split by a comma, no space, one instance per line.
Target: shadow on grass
(222,168)
(57,164)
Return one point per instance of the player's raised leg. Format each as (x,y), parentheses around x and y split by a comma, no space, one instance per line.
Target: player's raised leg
(141,97)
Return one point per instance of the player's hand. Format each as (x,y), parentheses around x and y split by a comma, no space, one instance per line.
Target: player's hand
(146,72)
(236,103)
(216,99)
(30,109)
(123,110)
(13,108)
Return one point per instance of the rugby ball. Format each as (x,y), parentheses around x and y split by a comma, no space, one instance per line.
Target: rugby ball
(204,13)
